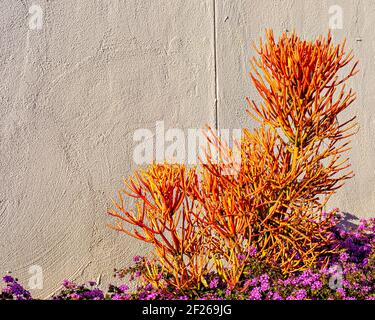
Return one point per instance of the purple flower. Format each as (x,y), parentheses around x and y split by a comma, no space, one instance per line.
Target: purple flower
(8,279)
(91,294)
(301,294)
(75,296)
(116,297)
(142,295)
(317,285)
(342,292)
(148,287)
(17,289)
(152,296)
(362,225)
(214,282)
(252,251)
(136,258)
(344,257)
(241,258)
(253,282)
(120,297)
(365,289)
(306,278)
(7,290)
(247,283)
(123,288)
(68,284)
(255,294)
(264,284)
(277,296)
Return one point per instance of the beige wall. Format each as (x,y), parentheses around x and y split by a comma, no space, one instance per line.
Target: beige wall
(73,93)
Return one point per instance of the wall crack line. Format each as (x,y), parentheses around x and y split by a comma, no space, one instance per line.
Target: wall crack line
(216,111)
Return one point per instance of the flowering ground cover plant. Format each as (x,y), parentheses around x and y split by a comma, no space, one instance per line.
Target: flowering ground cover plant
(261,233)
(349,276)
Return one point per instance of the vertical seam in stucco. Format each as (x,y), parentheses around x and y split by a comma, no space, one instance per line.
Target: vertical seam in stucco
(215,67)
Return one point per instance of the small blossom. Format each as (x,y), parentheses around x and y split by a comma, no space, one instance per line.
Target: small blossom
(341,291)
(67,283)
(75,296)
(301,294)
(264,284)
(255,294)
(214,282)
(149,287)
(316,285)
(241,258)
(252,251)
(8,279)
(123,288)
(276,296)
(343,257)
(152,296)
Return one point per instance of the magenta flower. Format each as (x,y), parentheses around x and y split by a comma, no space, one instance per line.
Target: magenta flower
(123,288)
(252,251)
(342,292)
(8,279)
(152,296)
(255,294)
(214,282)
(264,284)
(317,285)
(277,296)
(75,296)
(301,294)
(343,257)
(68,284)
(241,258)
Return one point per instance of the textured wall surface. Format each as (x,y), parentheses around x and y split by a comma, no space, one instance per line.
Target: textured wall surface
(73,93)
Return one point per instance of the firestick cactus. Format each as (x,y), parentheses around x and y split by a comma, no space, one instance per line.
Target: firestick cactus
(201,221)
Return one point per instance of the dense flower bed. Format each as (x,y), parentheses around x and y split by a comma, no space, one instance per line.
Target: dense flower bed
(349,276)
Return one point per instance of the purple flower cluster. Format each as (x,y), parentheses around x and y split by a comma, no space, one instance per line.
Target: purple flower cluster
(349,275)
(72,291)
(13,290)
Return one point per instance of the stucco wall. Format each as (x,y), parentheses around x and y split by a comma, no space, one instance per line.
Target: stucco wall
(74,91)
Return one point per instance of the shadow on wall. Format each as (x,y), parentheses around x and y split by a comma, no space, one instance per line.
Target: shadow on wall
(349,221)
